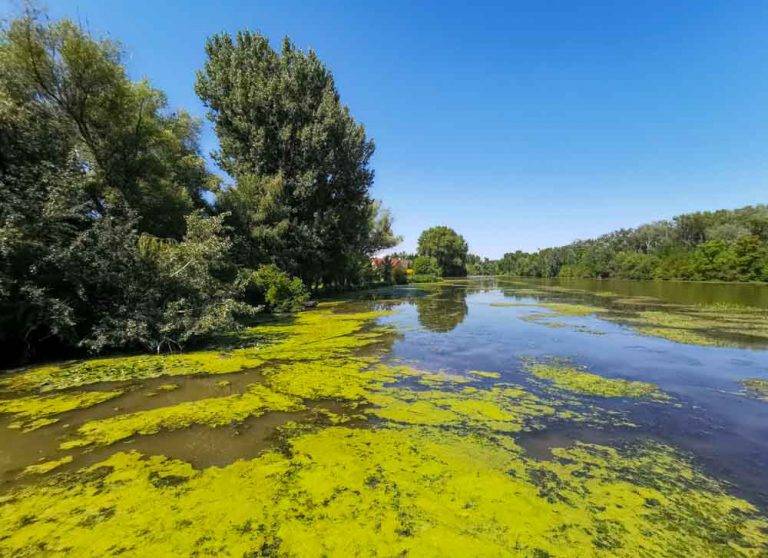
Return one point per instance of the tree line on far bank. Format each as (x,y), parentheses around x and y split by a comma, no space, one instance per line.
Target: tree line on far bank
(113,233)
(724,245)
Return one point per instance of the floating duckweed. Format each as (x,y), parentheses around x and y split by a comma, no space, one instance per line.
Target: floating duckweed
(312,335)
(756,387)
(483,374)
(544,318)
(579,381)
(119,369)
(47,466)
(34,412)
(675,327)
(388,491)
(164,388)
(501,408)
(720,325)
(214,412)
(566,309)
(433,379)
(435,471)
(328,378)
(717,325)
(168,387)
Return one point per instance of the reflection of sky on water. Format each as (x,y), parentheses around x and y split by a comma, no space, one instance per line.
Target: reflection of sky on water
(456,329)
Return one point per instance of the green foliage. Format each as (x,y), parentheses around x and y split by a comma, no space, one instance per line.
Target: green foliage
(447,247)
(106,240)
(130,150)
(399,275)
(300,161)
(480,266)
(89,162)
(709,246)
(426,265)
(277,290)
(386,270)
(157,293)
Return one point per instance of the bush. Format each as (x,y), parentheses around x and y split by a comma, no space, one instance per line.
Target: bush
(426,265)
(155,293)
(275,289)
(399,276)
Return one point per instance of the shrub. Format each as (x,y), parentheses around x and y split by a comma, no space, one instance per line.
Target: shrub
(426,265)
(399,276)
(275,289)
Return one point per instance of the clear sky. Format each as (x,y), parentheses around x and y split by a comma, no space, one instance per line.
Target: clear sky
(520,124)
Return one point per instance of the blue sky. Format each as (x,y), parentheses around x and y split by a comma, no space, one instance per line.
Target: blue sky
(520,124)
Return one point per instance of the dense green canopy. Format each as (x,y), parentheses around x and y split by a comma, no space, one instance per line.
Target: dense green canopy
(725,245)
(447,247)
(300,161)
(106,238)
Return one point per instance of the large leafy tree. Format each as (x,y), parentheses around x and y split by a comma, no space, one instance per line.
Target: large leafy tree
(299,160)
(447,247)
(129,149)
(93,170)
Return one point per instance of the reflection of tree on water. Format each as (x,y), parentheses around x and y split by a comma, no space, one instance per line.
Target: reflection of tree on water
(443,310)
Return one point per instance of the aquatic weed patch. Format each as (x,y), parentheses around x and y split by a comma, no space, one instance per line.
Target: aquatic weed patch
(33,412)
(212,412)
(388,491)
(577,380)
(431,466)
(500,408)
(46,466)
(569,309)
(756,387)
(716,325)
(311,335)
(708,326)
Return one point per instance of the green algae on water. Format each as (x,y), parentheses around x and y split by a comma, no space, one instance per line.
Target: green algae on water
(46,466)
(409,490)
(436,470)
(756,387)
(212,412)
(716,325)
(484,374)
(33,412)
(501,408)
(312,335)
(163,388)
(579,381)
(568,309)
(341,379)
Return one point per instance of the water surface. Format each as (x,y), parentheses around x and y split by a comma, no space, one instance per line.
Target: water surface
(410,388)
(465,326)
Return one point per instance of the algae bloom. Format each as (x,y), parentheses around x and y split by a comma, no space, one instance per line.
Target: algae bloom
(756,387)
(576,380)
(370,458)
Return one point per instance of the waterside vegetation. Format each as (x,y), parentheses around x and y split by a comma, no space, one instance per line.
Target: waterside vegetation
(113,233)
(724,245)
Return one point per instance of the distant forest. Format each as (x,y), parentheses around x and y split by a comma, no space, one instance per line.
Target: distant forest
(724,245)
